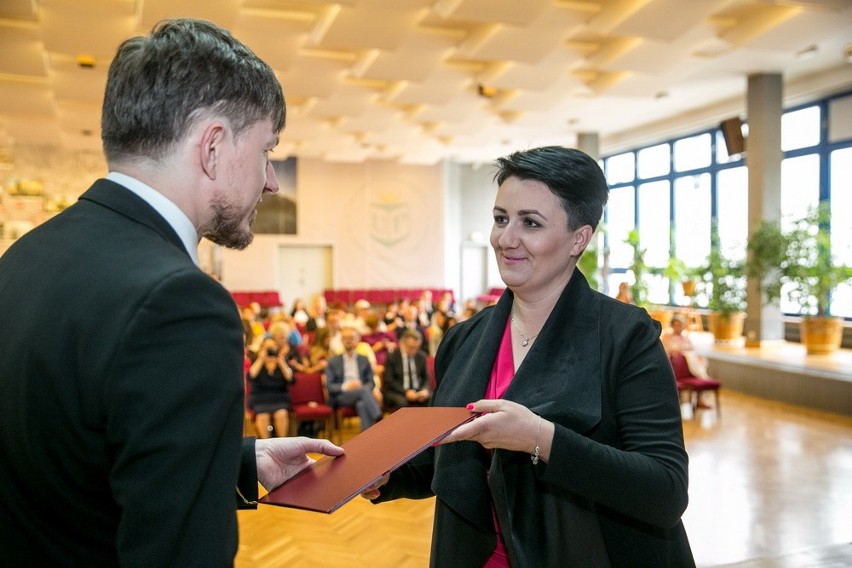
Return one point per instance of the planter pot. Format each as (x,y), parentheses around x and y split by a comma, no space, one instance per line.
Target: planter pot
(821,335)
(726,328)
(689,288)
(662,316)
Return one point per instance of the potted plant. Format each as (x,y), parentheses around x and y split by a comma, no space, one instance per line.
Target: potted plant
(678,272)
(799,263)
(724,286)
(639,289)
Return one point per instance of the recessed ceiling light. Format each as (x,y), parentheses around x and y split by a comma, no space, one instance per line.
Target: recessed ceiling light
(86,61)
(807,53)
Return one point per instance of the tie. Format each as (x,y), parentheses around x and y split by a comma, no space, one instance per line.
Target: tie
(412,374)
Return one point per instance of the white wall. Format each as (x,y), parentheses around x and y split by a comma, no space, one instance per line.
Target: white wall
(385,222)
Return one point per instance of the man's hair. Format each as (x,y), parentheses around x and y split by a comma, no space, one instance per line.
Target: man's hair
(411,334)
(184,70)
(571,175)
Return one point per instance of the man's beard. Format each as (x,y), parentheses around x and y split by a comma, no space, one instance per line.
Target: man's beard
(227,230)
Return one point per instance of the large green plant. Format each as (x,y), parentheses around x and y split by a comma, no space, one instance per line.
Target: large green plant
(798,259)
(639,290)
(722,280)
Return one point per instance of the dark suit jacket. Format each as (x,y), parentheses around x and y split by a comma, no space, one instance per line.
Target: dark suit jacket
(334,376)
(615,487)
(121,394)
(394,378)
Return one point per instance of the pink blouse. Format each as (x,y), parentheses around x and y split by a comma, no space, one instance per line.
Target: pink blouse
(501,377)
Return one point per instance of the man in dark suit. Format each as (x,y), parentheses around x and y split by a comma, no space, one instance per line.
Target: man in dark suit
(411,320)
(349,380)
(121,379)
(406,382)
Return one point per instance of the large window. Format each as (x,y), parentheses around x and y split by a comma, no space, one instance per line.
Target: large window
(671,191)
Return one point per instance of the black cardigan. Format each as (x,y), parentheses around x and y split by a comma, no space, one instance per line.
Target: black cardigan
(615,487)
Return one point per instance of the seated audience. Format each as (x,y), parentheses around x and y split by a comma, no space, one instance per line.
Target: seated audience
(406,380)
(350,382)
(676,340)
(269,398)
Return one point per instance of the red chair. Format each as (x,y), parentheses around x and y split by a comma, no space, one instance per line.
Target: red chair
(688,382)
(341,413)
(307,398)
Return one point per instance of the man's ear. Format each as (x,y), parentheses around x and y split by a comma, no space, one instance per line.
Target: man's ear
(582,238)
(212,137)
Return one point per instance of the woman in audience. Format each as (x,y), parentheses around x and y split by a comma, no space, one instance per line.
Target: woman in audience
(316,313)
(579,456)
(676,340)
(319,352)
(299,313)
(382,342)
(436,331)
(269,398)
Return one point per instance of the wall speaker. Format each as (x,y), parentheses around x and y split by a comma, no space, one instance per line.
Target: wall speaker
(732,131)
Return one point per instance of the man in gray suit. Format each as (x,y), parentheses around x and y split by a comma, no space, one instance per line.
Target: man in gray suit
(121,378)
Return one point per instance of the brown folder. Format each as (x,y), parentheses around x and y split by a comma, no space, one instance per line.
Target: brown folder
(333,481)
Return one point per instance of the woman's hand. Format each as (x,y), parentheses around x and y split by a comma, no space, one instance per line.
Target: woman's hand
(507,425)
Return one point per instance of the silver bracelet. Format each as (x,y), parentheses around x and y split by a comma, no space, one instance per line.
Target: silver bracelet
(534,457)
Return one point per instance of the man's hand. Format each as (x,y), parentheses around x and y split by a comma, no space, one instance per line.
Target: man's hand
(279,459)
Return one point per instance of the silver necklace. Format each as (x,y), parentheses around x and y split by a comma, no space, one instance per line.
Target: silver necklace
(524,339)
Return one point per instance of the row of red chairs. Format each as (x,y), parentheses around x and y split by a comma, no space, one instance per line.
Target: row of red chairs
(266,298)
(378,295)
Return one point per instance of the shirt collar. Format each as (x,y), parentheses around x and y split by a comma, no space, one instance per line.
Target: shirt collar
(176,218)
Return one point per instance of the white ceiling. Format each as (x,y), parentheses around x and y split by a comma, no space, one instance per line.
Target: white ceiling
(399,79)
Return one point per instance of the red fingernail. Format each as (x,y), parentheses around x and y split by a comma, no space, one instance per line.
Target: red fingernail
(469,406)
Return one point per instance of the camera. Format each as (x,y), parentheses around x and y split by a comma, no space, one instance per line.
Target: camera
(272,351)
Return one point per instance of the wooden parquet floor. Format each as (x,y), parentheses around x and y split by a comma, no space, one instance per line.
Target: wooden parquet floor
(768,479)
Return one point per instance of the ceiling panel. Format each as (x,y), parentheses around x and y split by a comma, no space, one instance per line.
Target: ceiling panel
(400,79)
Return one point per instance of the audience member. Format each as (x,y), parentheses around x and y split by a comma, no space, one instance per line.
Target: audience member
(676,340)
(406,380)
(446,304)
(382,342)
(252,329)
(269,398)
(316,313)
(299,313)
(411,320)
(350,382)
(624,293)
(436,331)
(315,358)
(425,308)
(334,324)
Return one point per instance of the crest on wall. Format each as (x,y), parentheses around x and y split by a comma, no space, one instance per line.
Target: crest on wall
(390,220)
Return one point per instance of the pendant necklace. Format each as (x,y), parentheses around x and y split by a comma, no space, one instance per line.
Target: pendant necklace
(524,339)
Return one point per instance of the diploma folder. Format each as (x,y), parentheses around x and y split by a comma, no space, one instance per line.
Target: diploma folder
(331,482)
